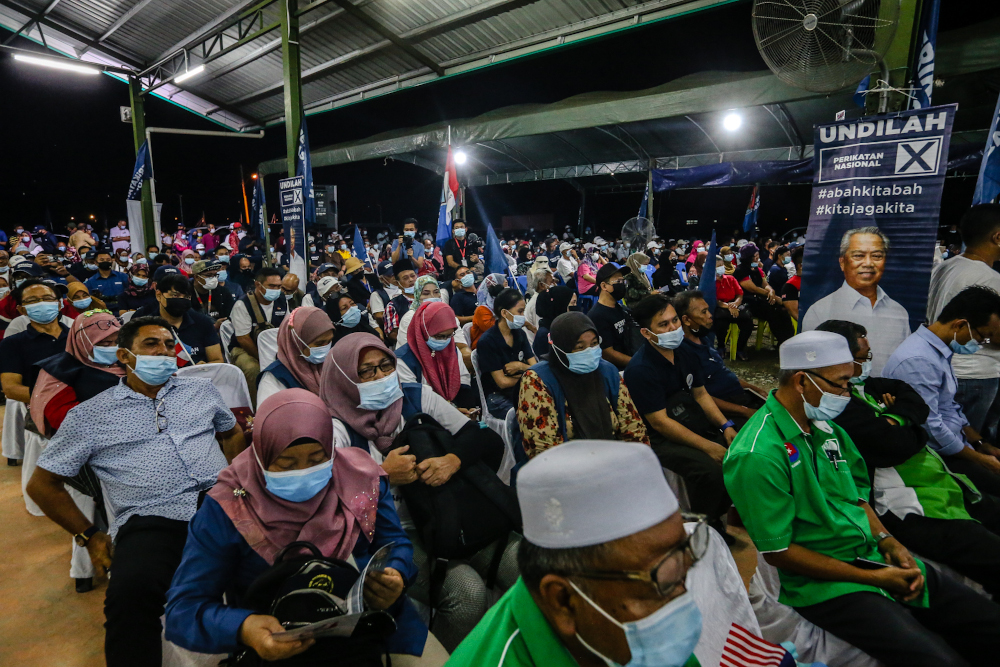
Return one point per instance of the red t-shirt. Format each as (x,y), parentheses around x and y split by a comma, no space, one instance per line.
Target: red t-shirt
(727,289)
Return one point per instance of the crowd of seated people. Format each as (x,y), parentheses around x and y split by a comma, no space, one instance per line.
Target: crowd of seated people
(561,531)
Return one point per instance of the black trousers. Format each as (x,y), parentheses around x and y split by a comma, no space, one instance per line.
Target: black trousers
(702,476)
(960,627)
(985,481)
(775,315)
(720,325)
(147,552)
(966,546)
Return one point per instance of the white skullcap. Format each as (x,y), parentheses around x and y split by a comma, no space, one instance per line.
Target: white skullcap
(814,349)
(588,492)
(325,284)
(565,246)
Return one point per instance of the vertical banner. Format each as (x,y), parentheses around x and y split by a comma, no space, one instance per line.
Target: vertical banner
(923,62)
(291,193)
(303,168)
(257,209)
(988,185)
(875,178)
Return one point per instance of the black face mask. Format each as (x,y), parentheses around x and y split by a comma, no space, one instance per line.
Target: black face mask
(618,291)
(104,266)
(703,332)
(177,307)
(248,272)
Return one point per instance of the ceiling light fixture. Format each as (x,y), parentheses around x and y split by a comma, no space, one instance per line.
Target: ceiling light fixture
(56,64)
(460,157)
(194,71)
(732,122)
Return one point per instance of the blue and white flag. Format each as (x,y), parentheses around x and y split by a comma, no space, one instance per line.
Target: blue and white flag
(496,261)
(707,287)
(988,185)
(923,66)
(359,250)
(644,206)
(257,208)
(143,170)
(862,92)
(449,199)
(750,217)
(303,167)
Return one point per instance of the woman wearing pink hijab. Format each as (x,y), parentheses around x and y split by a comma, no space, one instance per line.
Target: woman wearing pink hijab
(290,485)
(188,258)
(304,340)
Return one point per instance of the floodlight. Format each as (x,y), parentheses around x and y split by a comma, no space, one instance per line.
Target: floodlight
(194,71)
(732,121)
(460,157)
(63,64)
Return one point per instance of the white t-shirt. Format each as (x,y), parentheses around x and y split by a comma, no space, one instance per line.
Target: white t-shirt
(441,410)
(242,322)
(375,304)
(948,279)
(119,233)
(404,324)
(531,317)
(566,268)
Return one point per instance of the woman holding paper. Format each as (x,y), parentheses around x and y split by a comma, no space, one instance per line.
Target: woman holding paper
(290,485)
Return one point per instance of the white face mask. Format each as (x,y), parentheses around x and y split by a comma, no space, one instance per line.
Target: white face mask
(211,283)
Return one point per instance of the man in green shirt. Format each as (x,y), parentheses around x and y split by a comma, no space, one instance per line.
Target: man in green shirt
(603,564)
(930,509)
(801,489)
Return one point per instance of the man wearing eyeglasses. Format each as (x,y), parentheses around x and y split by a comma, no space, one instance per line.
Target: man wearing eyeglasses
(44,336)
(603,565)
(157,444)
(802,489)
(863,254)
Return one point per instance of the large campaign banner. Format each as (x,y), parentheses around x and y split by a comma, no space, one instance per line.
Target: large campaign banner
(873,223)
(291,193)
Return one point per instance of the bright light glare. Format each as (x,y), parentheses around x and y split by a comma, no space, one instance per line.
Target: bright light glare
(732,122)
(194,71)
(56,64)
(460,157)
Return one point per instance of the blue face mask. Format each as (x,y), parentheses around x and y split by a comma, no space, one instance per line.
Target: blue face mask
(223,276)
(438,344)
(459,233)
(670,340)
(351,318)
(223,258)
(154,370)
(189,260)
(271,295)
(866,369)
(584,361)
(468,280)
(105,356)
(408,290)
(728,258)
(141,260)
(753,265)
(298,486)
(430,299)
(379,394)
(971,347)
(83,304)
(517,323)
(317,355)
(409,235)
(665,638)
(43,312)
(139,282)
(830,405)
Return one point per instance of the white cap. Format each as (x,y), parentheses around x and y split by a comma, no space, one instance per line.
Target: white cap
(599,241)
(587,492)
(652,244)
(814,349)
(563,247)
(325,284)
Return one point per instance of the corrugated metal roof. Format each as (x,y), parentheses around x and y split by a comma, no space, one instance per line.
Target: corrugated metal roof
(343,58)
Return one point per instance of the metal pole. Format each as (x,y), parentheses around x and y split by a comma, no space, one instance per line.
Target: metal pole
(292,79)
(181,198)
(138,136)
(649,204)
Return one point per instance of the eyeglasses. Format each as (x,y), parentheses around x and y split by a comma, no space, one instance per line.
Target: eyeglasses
(983,340)
(867,358)
(160,419)
(368,372)
(47,299)
(670,571)
(844,390)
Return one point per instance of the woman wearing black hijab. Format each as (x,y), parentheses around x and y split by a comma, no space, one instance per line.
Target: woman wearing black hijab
(575,394)
(551,303)
(348,318)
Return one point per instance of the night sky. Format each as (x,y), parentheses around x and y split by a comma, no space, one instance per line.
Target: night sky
(66,153)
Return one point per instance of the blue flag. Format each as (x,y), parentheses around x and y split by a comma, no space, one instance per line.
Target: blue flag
(257,221)
(988,185)
(359,250)
(750,218)
(303,167)
(708,271)
(449,199)
(143,170)
(859,94)
(923,65)
(644,206)
(496,261)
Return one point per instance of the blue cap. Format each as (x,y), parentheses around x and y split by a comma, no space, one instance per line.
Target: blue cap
(385,269)
(163,272)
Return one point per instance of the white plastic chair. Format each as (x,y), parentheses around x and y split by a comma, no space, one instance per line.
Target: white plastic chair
(125,317)
(467,330)
(227,378)
(13,429)
(226,333)
(498,426)
(267,347)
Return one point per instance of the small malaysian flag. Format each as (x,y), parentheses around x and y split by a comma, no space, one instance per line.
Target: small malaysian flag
(183,353)
(744,649)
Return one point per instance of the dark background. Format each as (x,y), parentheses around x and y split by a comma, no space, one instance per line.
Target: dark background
(65,153)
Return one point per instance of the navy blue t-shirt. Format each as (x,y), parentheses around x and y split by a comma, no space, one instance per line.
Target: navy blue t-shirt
(652,380)
(494,354)
(720,382)
(197,332)
(463,303)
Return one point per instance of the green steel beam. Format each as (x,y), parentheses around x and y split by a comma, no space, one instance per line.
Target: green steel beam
(139,136)
(292,78)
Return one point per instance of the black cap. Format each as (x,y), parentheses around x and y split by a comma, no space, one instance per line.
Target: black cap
(31,269)
(607,271)
(404,264)
(163,272)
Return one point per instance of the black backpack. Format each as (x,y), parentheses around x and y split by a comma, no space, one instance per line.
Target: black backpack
(303,589)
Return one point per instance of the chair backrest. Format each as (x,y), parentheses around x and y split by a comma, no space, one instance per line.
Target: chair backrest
(479,376)
(227,378)
(267,347)
(467,330)
(125,317)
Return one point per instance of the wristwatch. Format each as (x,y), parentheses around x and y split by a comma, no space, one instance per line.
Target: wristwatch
(882,536)
(84,537)
(728,424)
